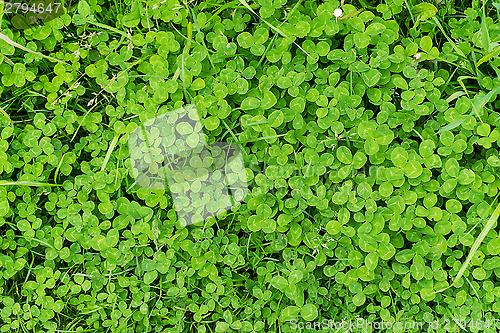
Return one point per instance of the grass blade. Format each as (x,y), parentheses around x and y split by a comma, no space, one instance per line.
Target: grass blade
(478,242)
(198,29)
(452,125)
(104,26)
(232,134)
(481,101)
(56,173)
(487,57)
(25,183)
(11,42)
(263,138)
(247,6)
(225,6)
(492,220)
(411,14)
(2,111)
(83,119)
(484,31)
(110,150)
(454,96)
(455,47)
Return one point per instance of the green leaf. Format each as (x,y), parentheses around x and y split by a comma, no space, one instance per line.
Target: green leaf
(276,118)
(268,101)
(413,169)
(371,261)
(198,84)
(404,256)
(184,128)
(426,148)
(344,155)
(371,77)
(399,157)
(250,103)
(452,167)
(212,123)
(83,8)
(361,40)
(371,147)
(289,313)
(494,246)
(384,135)
(133,18)
(424,11)
(366,129)
(400,82)
(359,299)
(149,277)
(466,177)
(426,43)
(4,207)
(99,243)
(279,282)
(309,312)
(417,269)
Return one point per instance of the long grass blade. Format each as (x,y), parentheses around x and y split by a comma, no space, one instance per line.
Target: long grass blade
(104,26)
(487,57)
(452,125)
(2,111)
(247,6)
(56,173)
(481,101)
(484,31)
(25,183)
(455,47)
(478,241)
(454,96)
(492,220)
(110,150)
(11,42)
(232,134)
(83,119)
(263,138)
(198,29)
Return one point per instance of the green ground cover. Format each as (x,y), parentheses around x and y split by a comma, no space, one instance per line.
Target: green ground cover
(369,140)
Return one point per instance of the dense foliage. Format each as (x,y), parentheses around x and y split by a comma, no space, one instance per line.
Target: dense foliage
(370,146)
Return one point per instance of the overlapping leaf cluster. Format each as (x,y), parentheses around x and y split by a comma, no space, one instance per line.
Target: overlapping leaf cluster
(370,144)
